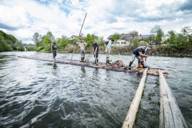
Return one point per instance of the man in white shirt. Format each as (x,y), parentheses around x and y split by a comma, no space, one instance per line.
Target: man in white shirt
(108,50)
(82,45)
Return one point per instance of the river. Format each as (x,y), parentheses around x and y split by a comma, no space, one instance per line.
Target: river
(39,94)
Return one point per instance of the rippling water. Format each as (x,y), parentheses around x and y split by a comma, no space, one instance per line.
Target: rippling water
(37,94)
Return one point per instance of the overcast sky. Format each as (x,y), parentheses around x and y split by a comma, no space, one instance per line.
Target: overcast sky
(23,18)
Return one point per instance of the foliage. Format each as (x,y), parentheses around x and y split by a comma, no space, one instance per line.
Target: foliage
(9,43)
(43,43)
(115,37)
(134,34)
(169,43)
(159,35)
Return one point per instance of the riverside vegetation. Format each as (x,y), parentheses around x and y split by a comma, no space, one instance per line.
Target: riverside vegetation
(169,44)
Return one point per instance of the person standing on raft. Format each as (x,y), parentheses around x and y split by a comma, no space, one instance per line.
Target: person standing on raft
(141,54)
(54,50)
(82,46)
(96,51)
(108,50)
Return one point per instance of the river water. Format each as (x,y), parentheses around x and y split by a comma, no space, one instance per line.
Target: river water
(39,94)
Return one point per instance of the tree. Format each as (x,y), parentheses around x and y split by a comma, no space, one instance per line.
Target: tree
(115,37)
(155,29)
(90,39)
(133,34)
(172,37)
(44,43)
(159,35)
(9,42)
(37,39)
(62,42)
(50,36)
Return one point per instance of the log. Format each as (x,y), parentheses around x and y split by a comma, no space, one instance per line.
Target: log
(133,109)
(170,114)
(151,71)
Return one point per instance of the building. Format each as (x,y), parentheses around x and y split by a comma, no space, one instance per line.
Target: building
(120,43)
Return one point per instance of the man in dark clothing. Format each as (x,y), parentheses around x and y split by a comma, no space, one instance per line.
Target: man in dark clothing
(96,52)
(140,54)
(54,50)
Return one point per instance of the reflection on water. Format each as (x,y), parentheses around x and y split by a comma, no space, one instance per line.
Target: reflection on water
(49,95)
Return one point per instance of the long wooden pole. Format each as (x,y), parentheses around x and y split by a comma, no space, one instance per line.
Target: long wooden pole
(133,109)
(82,24)
(80,30)
(170,114)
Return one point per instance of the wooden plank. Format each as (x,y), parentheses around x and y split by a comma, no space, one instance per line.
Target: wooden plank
(133,109)
(151,71)
(170,114)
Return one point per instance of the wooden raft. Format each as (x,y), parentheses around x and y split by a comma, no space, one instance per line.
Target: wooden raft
(151,71)
(170,114)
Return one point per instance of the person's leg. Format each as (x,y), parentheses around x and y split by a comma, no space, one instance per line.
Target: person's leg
(96,58)
(140,62)
(107,57)
(83,55)
(54,55)
(131,62)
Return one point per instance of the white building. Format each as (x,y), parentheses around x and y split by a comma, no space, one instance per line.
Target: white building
(120,43)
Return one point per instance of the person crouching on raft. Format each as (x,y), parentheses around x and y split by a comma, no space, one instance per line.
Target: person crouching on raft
(82,45)
(140,53)
(96,52)
(54,50)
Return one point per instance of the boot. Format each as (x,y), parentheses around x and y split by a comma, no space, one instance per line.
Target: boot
(82,59)
(130,63)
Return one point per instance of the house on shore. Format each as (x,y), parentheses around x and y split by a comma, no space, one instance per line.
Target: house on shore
(125,39)
(120,43)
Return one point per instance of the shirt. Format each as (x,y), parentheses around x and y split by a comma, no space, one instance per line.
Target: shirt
(95,45)
(82,45)
(139,49)
(109,44)
(54,47)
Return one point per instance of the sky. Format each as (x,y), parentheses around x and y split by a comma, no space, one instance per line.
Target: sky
(23,18)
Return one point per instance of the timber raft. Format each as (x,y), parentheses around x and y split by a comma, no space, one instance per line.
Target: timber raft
(151,71)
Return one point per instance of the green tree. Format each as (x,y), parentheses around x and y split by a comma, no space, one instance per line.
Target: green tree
(115,37)
(90,39)
(44,43)
(172,39)
(159,35)
(36,38)
(8,42)
(63,42)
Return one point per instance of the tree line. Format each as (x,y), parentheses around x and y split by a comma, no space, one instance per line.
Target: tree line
(68,44)
(170,43)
